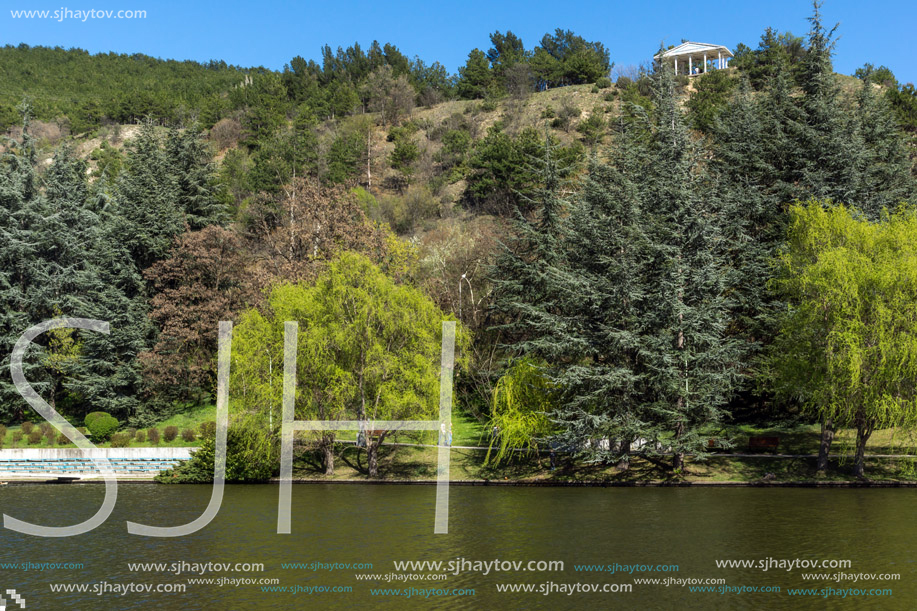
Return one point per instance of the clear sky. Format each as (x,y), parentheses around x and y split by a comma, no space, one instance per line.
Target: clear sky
(270,33)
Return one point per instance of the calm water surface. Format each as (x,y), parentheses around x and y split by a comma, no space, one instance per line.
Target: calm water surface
(874,529)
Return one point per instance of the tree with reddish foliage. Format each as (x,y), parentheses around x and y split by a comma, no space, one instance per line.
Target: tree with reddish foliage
(204,280)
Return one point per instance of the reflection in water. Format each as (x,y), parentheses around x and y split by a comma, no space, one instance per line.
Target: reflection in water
(380,524)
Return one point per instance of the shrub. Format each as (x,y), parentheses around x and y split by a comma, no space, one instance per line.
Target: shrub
(50,434)
(44,427)
(27,427)
(140,436)
(17,437)
(251,456)
(152,434)
(35,438)
(131,431)
(623,82)
(170,433)
(603,82)
(102,427)
(208,429)
(595,89)
(120,440)
(62,440)
(225,133)
(2,432)
(188,435)
(92,416)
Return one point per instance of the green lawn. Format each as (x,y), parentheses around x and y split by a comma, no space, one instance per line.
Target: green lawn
(190,419)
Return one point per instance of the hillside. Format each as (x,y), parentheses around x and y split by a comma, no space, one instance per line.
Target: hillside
(78,91)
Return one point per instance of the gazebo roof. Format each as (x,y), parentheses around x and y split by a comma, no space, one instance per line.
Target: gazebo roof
(693,49)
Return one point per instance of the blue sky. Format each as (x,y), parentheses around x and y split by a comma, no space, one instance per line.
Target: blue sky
(270,33)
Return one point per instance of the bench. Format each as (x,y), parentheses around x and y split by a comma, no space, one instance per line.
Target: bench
(761,444)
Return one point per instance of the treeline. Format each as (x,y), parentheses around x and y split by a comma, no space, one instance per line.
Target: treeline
(79,92)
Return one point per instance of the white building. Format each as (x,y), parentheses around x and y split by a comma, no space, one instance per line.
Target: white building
(694,58)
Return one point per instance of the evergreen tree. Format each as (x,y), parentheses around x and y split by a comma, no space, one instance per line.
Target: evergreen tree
(599,361)
(188,161)
(754,220)
(885,175)
(146,200)
(831,145)
(19,216)
(689,357)
(475,77)
(62,258)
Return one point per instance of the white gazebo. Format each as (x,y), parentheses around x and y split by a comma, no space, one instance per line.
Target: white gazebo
(697,56)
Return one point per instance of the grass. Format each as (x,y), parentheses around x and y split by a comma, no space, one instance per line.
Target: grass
(190,419)
(419,463)
(416,462)
(412,463)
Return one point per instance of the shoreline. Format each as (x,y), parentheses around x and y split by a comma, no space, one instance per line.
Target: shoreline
(500,483)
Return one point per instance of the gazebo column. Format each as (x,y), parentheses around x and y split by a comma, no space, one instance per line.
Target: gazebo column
(690,67)
(705,63)
(676,66)
(719,60)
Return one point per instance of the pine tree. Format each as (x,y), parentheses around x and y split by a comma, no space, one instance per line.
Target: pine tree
(830,144)
(146,200)
(783,122)
(690,359)
(522,289)
(194,177)
(19,216)
(885,175)
(754,219)
(599,335)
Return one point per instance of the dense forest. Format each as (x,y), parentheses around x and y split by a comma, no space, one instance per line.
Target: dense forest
(630,255)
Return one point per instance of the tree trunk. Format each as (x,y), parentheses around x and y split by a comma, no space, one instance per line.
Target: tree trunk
(373,458)
(678,460)
(624,460)
(864,430)
(827,436)
(328,454)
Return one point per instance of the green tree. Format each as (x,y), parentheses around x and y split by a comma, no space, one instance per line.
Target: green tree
(846,345)
(690,359)
(507,51)
(520,412)
(189,162)
(475,77)
(368,349)
(145,199)
(711,95)
(567,59)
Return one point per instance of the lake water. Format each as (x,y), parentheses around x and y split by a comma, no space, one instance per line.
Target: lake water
(874,529)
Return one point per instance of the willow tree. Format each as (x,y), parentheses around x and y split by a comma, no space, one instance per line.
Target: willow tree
(523,399)
(848,344)
(369,349)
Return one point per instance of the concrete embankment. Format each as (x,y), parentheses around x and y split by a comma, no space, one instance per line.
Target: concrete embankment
(126,463)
